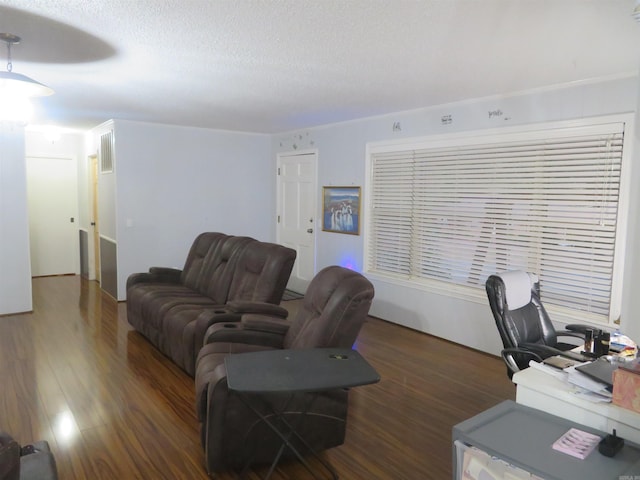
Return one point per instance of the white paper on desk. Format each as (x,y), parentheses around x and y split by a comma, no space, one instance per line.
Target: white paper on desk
(560,374)
(591,396)
(583,381)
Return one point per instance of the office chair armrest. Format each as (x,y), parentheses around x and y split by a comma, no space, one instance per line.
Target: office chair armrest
(545,351)
(574,327)
(570,333)
(567,333)
(507,356)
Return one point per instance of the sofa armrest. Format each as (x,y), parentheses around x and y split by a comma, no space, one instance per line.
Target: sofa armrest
(155,275)
(166,272)
(255,332)
(208,318)
(257,307)
(265,323)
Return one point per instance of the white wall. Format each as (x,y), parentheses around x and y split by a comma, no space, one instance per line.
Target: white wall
(68,145)
(341,161)
(631,300)
(173,183)
(15,266)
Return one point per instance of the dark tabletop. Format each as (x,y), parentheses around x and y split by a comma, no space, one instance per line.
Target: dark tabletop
(298,370)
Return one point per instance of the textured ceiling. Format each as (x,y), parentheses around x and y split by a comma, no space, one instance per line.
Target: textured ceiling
(272,66)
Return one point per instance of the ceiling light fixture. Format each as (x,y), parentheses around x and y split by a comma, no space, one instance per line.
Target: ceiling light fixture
(16,84)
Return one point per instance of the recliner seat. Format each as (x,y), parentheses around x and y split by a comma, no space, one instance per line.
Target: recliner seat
(333,310)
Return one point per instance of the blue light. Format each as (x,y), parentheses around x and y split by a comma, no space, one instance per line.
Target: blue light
(350,263)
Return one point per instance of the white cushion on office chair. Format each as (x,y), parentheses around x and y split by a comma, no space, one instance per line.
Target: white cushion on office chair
(517,285)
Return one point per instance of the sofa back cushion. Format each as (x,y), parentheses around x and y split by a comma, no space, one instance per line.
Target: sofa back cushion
(220,268)
(262,273)
(334,309)
(193,270)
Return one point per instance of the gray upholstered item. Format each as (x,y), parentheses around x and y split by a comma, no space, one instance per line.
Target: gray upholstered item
(31,462)
(223,277)
(333,310)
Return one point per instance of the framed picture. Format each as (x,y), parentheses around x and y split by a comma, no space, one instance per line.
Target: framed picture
(341,210)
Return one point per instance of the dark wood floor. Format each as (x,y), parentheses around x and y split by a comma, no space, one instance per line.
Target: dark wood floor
(74,373)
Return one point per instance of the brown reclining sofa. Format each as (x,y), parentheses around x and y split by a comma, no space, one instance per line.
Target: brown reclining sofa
(223,277)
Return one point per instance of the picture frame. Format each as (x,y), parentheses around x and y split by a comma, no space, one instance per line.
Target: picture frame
(341,210)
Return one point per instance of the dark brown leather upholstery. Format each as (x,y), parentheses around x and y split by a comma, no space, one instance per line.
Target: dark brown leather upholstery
(334,309)
(32,462)
(173,308)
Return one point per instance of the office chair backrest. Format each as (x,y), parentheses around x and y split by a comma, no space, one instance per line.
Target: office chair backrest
(514,298)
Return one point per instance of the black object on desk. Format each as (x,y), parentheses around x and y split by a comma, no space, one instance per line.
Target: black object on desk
(600,370)
(291,371)
(611,444)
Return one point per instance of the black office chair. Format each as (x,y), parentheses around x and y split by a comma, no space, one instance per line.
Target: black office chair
(524,325)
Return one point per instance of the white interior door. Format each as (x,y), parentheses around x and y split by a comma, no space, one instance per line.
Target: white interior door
(296,213)
(52,199)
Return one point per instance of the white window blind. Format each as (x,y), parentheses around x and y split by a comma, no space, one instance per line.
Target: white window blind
(458,211)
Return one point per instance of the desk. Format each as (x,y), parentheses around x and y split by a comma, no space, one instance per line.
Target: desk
(543,391)
(291,371)
(522,436)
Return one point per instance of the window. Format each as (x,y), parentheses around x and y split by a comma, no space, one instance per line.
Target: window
(451,210)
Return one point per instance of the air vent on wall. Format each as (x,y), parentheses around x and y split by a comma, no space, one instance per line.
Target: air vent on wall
(106,152)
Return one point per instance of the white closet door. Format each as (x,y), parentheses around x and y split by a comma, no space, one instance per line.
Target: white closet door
(53,205)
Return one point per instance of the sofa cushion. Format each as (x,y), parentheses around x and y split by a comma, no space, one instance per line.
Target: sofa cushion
(193,274)
(174,309)
(220,268)
(330,311)
(262,273)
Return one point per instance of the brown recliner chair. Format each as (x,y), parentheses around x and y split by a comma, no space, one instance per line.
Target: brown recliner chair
(334,309)
(30,462)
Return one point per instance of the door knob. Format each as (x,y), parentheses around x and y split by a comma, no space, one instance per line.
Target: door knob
(309,230)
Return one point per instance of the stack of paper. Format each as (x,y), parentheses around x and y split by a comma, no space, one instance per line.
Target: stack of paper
(585,387)
(591,389)
(576,443)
